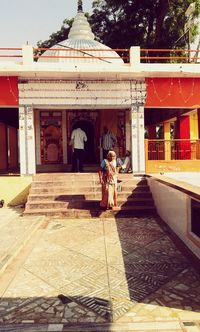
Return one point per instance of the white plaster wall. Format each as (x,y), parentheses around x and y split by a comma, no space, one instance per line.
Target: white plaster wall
(83,93)
(30,141)
(37,137)
(64,135)
(128,130)
(173,206)
(22,139)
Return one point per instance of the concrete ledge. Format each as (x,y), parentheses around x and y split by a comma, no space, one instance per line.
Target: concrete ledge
(172,199)
(189,189)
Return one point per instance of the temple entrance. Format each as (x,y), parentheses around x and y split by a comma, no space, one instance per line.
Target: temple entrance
(89,151)
(89,122)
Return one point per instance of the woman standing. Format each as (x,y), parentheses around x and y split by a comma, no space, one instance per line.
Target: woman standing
(108,180)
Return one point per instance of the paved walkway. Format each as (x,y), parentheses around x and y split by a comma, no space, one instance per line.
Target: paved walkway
(125,275)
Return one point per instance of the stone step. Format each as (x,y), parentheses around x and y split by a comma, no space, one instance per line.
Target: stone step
(78,195)
(83,184)
(83,175)
(93,196)
(90,195)
(83,190)
(123,211)
(83,204)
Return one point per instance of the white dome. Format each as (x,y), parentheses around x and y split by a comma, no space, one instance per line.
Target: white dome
(80,46)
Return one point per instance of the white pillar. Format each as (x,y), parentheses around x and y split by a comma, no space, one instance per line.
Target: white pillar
(137,139)
(135,58)
(22,145)
(37,138)
(64,135)
(27,54)
(27,141)
(128,131)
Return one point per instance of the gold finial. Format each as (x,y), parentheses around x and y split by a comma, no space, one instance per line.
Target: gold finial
(80,6)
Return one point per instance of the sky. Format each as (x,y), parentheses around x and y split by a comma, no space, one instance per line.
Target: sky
(23,21)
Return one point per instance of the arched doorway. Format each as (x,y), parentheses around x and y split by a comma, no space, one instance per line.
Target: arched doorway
(88,120)
(89,151)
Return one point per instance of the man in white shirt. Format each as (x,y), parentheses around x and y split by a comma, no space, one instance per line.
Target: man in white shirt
(78,138)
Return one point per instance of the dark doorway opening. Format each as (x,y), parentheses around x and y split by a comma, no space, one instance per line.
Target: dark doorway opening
(9,124)
(89,151)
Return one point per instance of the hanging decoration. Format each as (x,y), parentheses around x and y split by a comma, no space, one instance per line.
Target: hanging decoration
(172,92)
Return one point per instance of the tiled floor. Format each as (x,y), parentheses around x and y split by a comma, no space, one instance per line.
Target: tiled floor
(124,271)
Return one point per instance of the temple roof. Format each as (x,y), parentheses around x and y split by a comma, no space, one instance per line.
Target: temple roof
(81,37)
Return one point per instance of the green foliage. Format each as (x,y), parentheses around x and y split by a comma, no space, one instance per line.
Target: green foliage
(148,23)
(126,23)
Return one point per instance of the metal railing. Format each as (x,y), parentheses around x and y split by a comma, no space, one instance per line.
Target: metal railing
(169,55)
(176,149)
(10,53)
(145,55)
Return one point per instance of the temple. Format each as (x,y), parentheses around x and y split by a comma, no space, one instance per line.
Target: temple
(153,109)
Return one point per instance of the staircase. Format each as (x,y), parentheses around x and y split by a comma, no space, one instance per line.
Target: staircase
(77,195)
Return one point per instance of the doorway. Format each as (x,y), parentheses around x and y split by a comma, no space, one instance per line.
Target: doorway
(89,149)
(87,120)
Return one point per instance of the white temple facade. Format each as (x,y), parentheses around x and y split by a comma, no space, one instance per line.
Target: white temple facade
(153,109)
(83,87)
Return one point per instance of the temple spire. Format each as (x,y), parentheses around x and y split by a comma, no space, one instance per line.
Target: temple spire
(80,6)
(80,28)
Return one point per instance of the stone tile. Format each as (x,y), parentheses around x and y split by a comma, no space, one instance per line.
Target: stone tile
(123,270)
(44,249)
(27,285)
(95,249)
(75,237)
(58,270)
(182,292)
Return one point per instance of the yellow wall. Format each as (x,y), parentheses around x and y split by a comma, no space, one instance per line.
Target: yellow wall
(157,166)
(194,130)
(14,189)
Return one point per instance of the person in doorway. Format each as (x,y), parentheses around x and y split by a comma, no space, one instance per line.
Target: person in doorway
(78,138)
(108,141)
(108,179)
(125,163)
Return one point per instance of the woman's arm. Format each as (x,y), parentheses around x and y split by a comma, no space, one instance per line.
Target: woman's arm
(101,176)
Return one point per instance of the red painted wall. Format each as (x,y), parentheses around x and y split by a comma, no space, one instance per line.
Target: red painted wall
(173,92)
(9,95)
(185,146)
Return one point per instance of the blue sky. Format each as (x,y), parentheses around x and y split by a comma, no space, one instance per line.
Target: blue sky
(34,20)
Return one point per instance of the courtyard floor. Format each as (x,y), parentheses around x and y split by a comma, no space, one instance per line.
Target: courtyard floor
(114,272)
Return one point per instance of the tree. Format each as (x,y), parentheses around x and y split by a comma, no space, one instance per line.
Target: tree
(126,23)
(148,23)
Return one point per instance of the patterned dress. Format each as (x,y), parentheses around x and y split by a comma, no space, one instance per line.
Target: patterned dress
(108,177)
